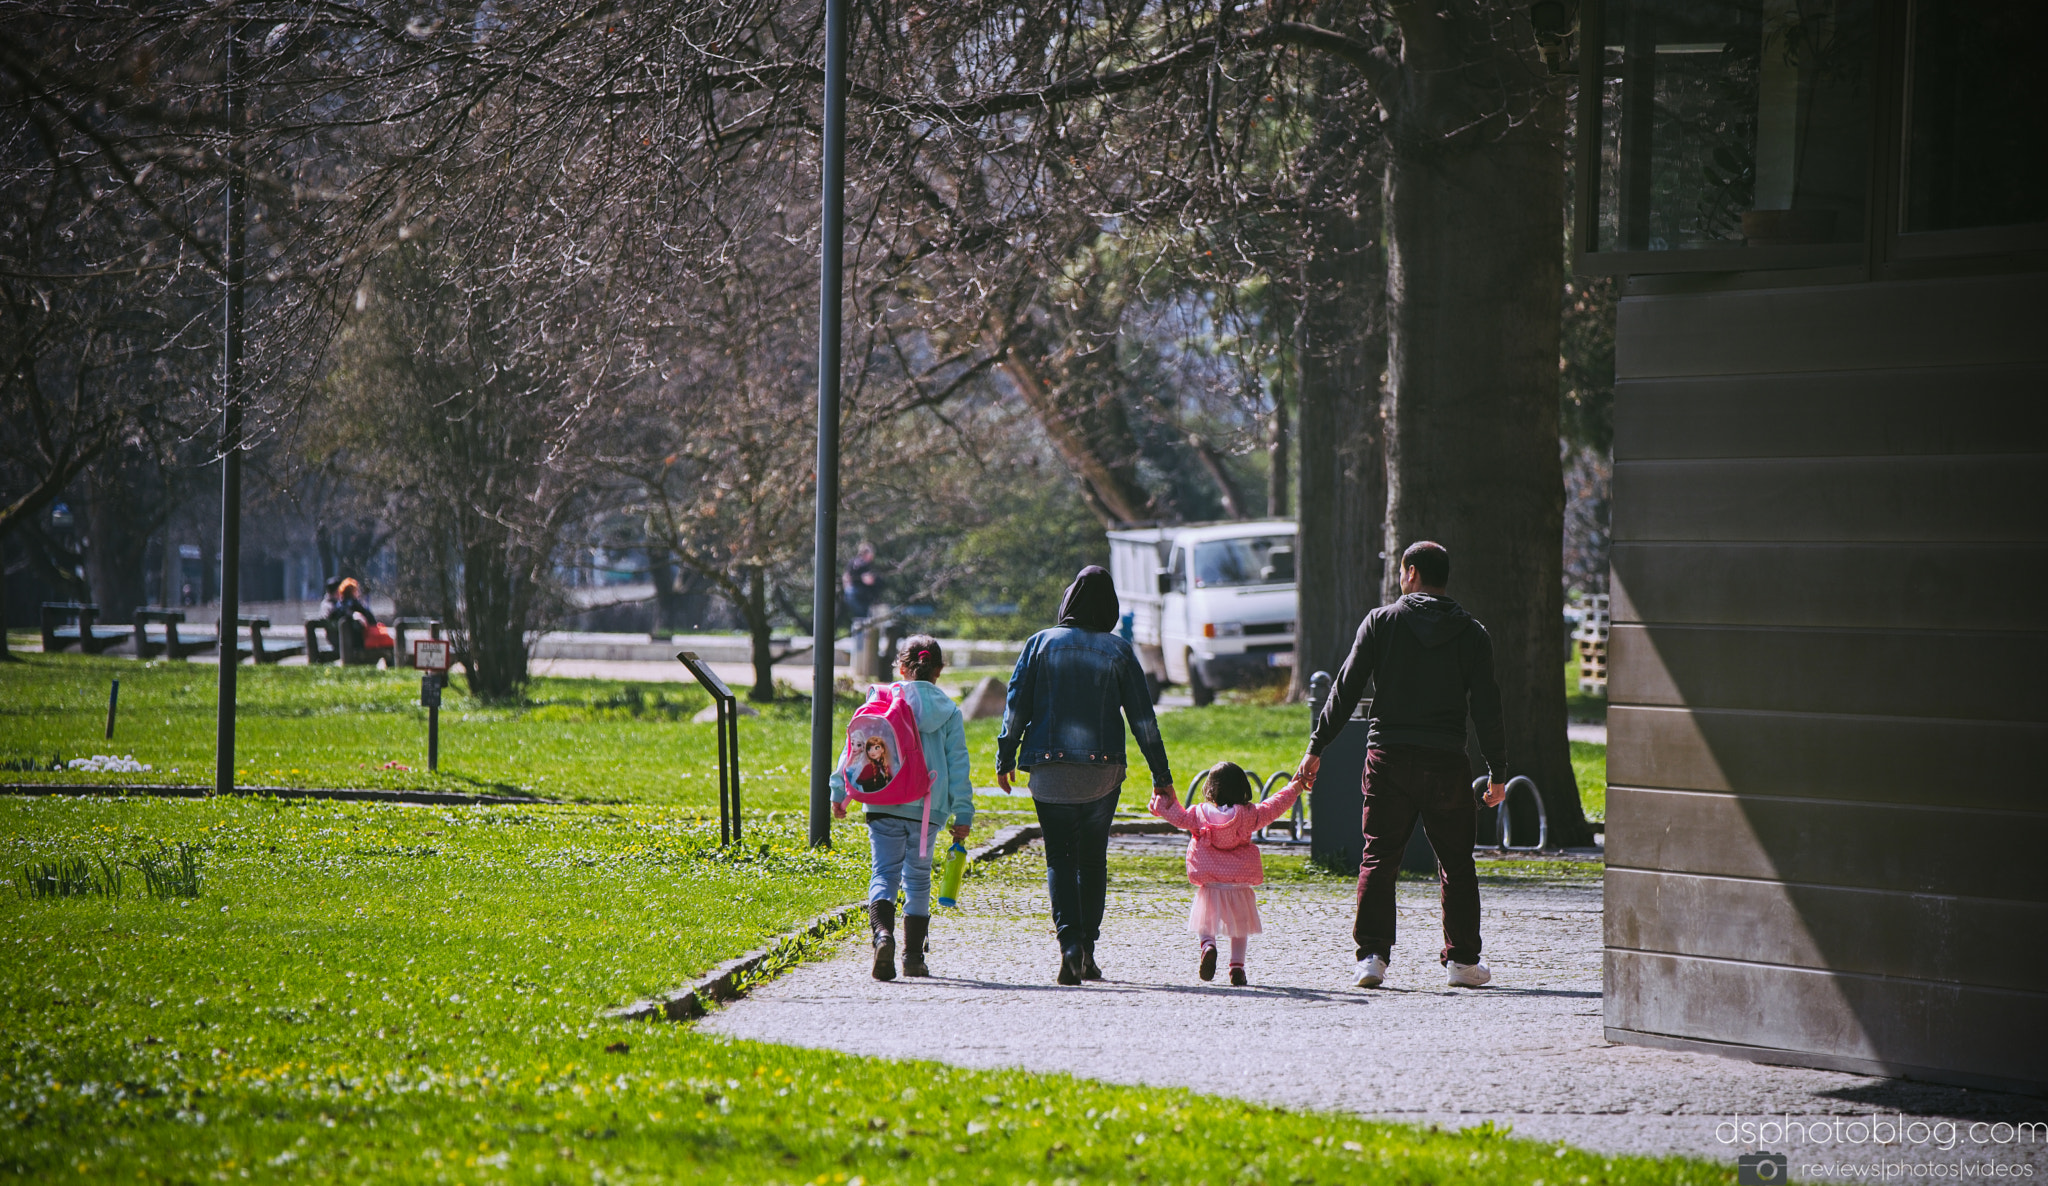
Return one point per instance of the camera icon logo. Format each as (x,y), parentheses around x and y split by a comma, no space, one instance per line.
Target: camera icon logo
(1760,1169)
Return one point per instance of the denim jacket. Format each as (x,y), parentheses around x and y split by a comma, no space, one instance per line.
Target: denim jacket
(1065,697)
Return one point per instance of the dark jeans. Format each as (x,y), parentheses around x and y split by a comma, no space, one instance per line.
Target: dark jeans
(1077,866)
(1404,783)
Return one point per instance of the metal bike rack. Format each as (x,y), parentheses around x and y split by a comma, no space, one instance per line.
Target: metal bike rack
(1295,815)
(1505,814)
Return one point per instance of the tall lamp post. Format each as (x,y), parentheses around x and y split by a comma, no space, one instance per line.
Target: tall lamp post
(228,630)
(831,248)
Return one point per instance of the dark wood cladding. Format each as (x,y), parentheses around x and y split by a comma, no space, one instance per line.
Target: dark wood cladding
(1860,585)
(1868,1024)
(1960,323)
(1867,759)
(1913,499)
(1977,409)
(1976,676)
(1885,932)
(1829,711)
(1904,847)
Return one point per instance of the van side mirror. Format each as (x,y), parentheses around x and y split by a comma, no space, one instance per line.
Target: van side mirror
(1164,579)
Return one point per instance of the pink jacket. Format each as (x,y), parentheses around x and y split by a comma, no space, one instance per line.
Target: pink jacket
(1221,850)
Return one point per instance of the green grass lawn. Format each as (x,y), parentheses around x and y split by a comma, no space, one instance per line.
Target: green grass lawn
(572,739)
(415,994)
(1589,764)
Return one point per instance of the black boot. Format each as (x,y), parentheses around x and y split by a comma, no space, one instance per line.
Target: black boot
(1088,969)
(882,930)
(915,927)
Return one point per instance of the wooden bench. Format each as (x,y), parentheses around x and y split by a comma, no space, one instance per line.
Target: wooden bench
(319,649)
(399,626)
(89,638)
(172,646)
(262,650)
(344,644)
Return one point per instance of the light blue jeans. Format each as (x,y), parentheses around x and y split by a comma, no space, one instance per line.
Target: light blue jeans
(894,841)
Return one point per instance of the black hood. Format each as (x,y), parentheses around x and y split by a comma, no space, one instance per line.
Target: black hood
(1090,602)
(1434,619)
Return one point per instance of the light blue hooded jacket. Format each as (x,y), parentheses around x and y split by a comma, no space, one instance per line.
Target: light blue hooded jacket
(944,733)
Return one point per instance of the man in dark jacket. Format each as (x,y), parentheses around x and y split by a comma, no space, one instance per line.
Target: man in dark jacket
(1430,663)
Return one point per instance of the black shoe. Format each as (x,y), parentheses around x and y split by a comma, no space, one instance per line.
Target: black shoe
(1237,977)
(915,928)
(1088,969)
(1070,968)
(882,933)
(1208,971)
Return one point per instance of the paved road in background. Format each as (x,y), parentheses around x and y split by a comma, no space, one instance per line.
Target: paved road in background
(1527,1052)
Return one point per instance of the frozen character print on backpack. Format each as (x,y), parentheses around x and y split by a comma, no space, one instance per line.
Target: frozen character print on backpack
(906,762)
(875,773)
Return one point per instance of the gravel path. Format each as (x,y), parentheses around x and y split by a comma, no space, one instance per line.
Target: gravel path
(1527,1051)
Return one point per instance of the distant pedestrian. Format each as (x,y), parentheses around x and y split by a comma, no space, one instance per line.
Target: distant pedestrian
(900,834)
(861,584)
(1224,863)
(1075,686)
(1430,664)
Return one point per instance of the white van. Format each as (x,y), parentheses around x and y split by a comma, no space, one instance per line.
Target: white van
(1209,605)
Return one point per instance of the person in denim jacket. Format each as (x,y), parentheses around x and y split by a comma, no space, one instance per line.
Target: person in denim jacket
(1075,687)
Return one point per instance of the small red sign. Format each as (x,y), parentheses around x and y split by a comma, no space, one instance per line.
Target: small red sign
(430,654)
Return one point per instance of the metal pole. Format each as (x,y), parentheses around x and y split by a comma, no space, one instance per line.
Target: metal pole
(228,631)
(433,737)
(724,779)
(831,245)
(733,726)
(113,702)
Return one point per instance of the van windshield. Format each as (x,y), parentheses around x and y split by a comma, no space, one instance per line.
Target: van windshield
(1253,560)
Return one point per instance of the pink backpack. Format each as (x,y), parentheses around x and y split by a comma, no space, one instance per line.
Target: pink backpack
(884,760)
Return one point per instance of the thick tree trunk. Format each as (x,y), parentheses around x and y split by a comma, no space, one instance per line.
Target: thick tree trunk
(116,560)
(1343,478)
(495,610)
(1475,272)
(757,626)
(1277,465)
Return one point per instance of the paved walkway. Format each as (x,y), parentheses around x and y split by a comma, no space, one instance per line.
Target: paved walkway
(1526,1052)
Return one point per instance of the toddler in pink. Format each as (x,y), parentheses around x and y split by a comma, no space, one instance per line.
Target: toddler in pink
(1223,860)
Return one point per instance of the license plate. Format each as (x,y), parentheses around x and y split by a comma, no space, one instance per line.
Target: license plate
(1280,659)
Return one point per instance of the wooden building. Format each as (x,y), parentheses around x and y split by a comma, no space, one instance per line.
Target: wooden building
(1828,809)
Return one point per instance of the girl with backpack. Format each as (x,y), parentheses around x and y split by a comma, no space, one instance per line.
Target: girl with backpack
(906,762)
(1223,859)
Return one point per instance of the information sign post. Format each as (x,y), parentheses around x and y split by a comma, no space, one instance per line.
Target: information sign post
(430,656)
(728,745)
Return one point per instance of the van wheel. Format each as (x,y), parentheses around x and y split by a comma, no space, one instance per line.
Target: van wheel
(1153,687)
(1201,693)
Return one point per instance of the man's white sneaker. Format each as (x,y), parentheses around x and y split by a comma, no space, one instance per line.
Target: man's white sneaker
(1469,975)
(1371,971)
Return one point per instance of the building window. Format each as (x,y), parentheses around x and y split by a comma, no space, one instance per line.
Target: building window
(1977,116)
(1731,124)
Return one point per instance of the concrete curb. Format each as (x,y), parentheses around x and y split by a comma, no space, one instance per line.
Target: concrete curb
(727,982)
(166,791)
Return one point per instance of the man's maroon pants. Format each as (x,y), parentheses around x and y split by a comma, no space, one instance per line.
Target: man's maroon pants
(1404,783)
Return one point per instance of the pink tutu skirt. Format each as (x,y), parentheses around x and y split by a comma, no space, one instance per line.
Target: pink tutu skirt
(1225,910)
